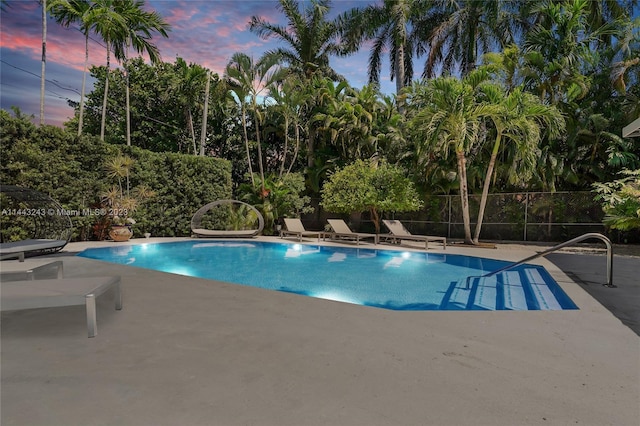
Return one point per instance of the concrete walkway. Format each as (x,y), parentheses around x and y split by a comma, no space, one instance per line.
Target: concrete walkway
(589,272)
(187,351)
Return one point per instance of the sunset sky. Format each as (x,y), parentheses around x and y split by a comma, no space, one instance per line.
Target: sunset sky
(204,32)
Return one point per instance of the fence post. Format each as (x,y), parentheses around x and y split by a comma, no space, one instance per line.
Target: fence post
(449,218)
(526,214)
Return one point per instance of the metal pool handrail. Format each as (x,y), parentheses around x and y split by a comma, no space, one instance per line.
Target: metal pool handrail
(558,247)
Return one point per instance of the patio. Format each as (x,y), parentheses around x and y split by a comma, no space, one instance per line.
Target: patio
(187,351)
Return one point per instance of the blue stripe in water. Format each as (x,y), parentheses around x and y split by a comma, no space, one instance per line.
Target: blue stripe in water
(389,279)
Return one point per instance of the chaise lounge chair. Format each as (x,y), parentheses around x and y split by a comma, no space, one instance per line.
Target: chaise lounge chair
(398,233)
(31,293)
(341,231)
(296,228)
(19,248)
(12,271)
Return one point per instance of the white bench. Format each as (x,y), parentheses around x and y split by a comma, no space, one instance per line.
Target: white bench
(17,295)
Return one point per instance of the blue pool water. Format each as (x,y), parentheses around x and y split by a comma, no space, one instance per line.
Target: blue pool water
(391,279)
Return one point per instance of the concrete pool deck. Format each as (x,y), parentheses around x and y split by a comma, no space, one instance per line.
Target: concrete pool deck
(187,351)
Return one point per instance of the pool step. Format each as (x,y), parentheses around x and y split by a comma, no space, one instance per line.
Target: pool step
(523,289)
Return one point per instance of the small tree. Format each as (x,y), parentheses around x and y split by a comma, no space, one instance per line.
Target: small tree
(367,186)
(621,201)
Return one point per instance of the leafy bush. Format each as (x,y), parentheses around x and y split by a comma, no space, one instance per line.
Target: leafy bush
(363,186)
(281,197)
(621,201)
(71,170)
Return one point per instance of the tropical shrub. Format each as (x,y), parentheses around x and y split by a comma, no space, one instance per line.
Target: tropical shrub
(280,197)
(367,186)
(621,201)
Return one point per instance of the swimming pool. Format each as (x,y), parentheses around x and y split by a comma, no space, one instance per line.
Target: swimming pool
(391,279)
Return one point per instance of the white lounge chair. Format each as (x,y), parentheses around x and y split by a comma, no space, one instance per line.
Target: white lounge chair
(19,248)
(398,233)
(294,227)
(341,231)
(31,294)
(12,271)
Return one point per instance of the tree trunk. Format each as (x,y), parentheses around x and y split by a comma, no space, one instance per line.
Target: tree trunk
(286,144)
(127,106)
(203,134)
(485,188)
(84,82)
(260,167)
(375,218)
(44,59)
(295,151)
(246,143)
(311,134)
(399,67)
(464,196)
(192,132)
(104,99)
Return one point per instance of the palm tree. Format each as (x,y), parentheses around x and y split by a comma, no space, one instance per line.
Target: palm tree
(558,46)
(67,12)
(451,121)
(310,37)
(466,31)
(349,121)
(141,24)
(290,97)
(248,79)
(320,93)
(518,117)
(112,27)
(238,76)
(389,24)
(124,23)
(187,88)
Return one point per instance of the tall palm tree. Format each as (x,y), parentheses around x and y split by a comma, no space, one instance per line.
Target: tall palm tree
(113,28)
(141,25)
(187,89)
(451,122)
(248,79)
(237,75)
(390,25)
(290,97)
(123,24)
(67,12)
(468,29)
(311,39)
(518,117)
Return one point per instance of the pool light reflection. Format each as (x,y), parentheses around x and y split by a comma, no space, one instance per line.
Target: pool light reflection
(336,296)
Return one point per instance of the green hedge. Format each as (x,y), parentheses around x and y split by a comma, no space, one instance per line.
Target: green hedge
(71,170)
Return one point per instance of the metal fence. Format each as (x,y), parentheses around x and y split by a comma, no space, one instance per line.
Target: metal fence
(523,216)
